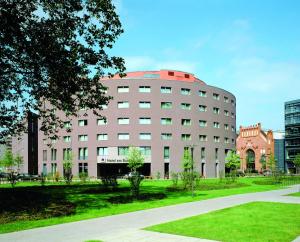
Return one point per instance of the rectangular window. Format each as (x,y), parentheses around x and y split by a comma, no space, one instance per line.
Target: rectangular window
(82,167)
(83,137)
(166,89)
(216,139)
(165,121)
(185,91)
(123,120)
(186,137)
(67,139)
(232,129)
(123,150)
(83,122)
(53,154)
(53,140)
(166,136)
(104,106)
(186,106)
(202,123)
(102,151)
(144,120)
(202,93)
(216,96)
(53,168)
(122,89)
(226,113)
(226,126)
(216,110)
(145,89)
(44,155)
(101,121)
(232,115)
(186,122)
(166,105)
(123,136)
(83,153)
(67,154)
(123,104)
(202,153)
(232,102)
(232,141)
(144,104)
(102,137)
(216,153)
(202,108)
(226,99)
(67,124)
(216,125)
(226,140)
(145,136)
(166,152)
(203,137)
(145,150)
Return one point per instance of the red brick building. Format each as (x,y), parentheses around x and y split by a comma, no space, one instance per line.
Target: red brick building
(252,144)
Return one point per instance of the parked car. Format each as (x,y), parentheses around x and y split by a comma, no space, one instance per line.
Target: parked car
(28,177)
(4,175)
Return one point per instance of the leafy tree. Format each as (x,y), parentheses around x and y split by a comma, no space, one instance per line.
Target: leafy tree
(233,163)
(188,175)
(271,163)
(52,55)
(18,161)
(68,164)
(135,161)
(296,162)
(263,161)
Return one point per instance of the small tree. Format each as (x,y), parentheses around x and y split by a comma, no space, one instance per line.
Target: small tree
(18,161)
(9,162)
(272,165)
(68,164)
(187,175)
(263,161)
(233,163)
(135,161)
(296,162)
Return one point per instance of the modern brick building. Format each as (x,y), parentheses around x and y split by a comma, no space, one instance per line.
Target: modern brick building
(252,144)
(162,113)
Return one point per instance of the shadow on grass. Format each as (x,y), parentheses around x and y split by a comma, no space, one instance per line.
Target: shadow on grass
(122,199)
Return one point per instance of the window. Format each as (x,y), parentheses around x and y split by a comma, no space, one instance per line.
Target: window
(171,73)
(102,137)
(226,99)
(186,76)
(146,89)
(202,153)
(122,89)
(226,126)
(185,91)
(44,141)
(202,123)
(232,115)
(53,154)
(123,120)
(216,125)
(226,140)
(145,150)
(123,150)
(67,154)
(186,122)
(101,121)
(44,155)
(166,89)
(232,129)
(123,104)
(216,139)
(166,105)
(202,93)
(145,121)
(82,167)
(216,110)
(53,140)
(83,153)
(104,106)
(83,108)
(145,136)
(67,124)
(186,137)
(216,96)
(67,139)
(123,136)
(83,122)
(166,152)
(83,137)
(203,137)
(232,102)
(165,121)
(232,141)
(145,104)
(216,154)
(102,151)
(53,168)
(202,108)
(186,106)
(166,136)
(226,113)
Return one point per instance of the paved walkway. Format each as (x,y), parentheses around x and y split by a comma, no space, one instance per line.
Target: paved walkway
(127,227)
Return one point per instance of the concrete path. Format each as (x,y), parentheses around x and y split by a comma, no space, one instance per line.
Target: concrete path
(127,227)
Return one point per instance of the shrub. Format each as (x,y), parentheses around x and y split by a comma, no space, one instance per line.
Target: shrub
(83,176)
(109,182)
(174,177)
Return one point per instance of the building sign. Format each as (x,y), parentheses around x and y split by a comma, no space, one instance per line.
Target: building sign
(117,159)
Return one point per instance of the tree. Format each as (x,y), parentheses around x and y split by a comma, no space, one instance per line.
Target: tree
(263,161)
(296,162)
(188,175)
(68,164)
(52,55)
(271,163)
(135,161)
(233,163)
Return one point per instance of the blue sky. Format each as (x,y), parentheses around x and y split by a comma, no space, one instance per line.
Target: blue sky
(250,48)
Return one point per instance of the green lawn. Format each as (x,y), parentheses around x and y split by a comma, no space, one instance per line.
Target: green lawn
(297,194)
(256,221)
(30,205)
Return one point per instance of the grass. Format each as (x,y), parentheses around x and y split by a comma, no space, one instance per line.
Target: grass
(30,205)
(256,221)
(297,194)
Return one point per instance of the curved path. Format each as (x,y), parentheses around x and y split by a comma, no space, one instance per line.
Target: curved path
(127,227)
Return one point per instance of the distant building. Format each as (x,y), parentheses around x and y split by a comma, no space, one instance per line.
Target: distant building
(292,131)
(279,149)
(254,144)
